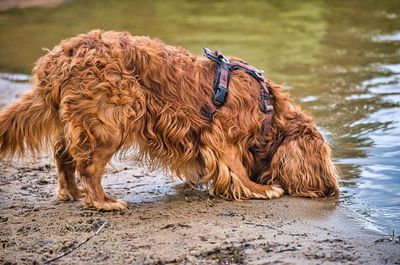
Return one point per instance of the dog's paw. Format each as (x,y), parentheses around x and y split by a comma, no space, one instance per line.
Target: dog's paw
(267,192)
(274,191)
(63,195)
(66,195)
(110,205)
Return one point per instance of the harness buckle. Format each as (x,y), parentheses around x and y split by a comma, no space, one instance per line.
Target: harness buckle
(220,96)
(259,74)
(265,105)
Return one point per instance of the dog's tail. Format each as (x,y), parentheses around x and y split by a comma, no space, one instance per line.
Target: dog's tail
(26,125)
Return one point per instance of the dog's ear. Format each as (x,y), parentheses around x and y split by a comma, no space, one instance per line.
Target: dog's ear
(298,158)
(302,164)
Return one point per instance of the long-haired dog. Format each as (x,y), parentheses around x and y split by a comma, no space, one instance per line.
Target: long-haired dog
(106,92)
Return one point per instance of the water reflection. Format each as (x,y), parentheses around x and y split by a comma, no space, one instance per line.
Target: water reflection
(362,56)
(340,60)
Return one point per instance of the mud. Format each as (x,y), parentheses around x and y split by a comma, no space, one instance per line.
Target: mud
(168,222)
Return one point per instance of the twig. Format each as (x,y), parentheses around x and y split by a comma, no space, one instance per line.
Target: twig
(389,238)
(287,249)
(77,246)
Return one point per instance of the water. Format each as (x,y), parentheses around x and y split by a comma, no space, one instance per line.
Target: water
(339,59)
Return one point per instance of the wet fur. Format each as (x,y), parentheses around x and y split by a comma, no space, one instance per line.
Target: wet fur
(103,93)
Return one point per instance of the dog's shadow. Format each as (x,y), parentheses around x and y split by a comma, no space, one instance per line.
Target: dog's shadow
(185,200)
(171,192)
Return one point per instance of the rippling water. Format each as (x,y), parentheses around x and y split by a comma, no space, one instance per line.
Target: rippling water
(339,59)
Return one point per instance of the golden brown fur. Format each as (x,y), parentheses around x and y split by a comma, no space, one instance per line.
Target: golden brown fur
(106,92)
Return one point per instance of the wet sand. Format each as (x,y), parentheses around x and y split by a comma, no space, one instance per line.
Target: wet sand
(168,222)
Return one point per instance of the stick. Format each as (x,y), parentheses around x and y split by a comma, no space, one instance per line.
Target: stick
(77,246)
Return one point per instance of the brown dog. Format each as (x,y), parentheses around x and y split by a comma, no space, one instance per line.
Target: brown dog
(105,92)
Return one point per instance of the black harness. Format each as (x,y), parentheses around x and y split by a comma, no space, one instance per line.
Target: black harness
(221,83)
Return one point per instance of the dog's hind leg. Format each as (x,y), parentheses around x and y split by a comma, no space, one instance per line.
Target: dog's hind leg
(67,189)
(230,179)
(91,171)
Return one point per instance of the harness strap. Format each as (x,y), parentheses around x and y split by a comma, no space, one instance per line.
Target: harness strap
(222,76)
(221,83)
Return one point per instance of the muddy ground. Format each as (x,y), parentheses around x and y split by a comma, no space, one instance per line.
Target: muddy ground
(167,222)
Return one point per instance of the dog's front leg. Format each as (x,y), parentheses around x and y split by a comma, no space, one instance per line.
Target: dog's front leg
(230,179)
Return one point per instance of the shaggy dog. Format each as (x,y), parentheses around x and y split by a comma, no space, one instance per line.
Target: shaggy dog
(106,92)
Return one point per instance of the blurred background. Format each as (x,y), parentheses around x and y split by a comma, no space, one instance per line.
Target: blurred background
(340,60)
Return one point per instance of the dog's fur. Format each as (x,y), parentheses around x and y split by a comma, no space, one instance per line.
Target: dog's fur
(106,92)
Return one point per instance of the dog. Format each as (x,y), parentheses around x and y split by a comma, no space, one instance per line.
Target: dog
(105,92)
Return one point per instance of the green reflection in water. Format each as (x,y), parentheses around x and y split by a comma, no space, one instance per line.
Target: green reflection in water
(266,34)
